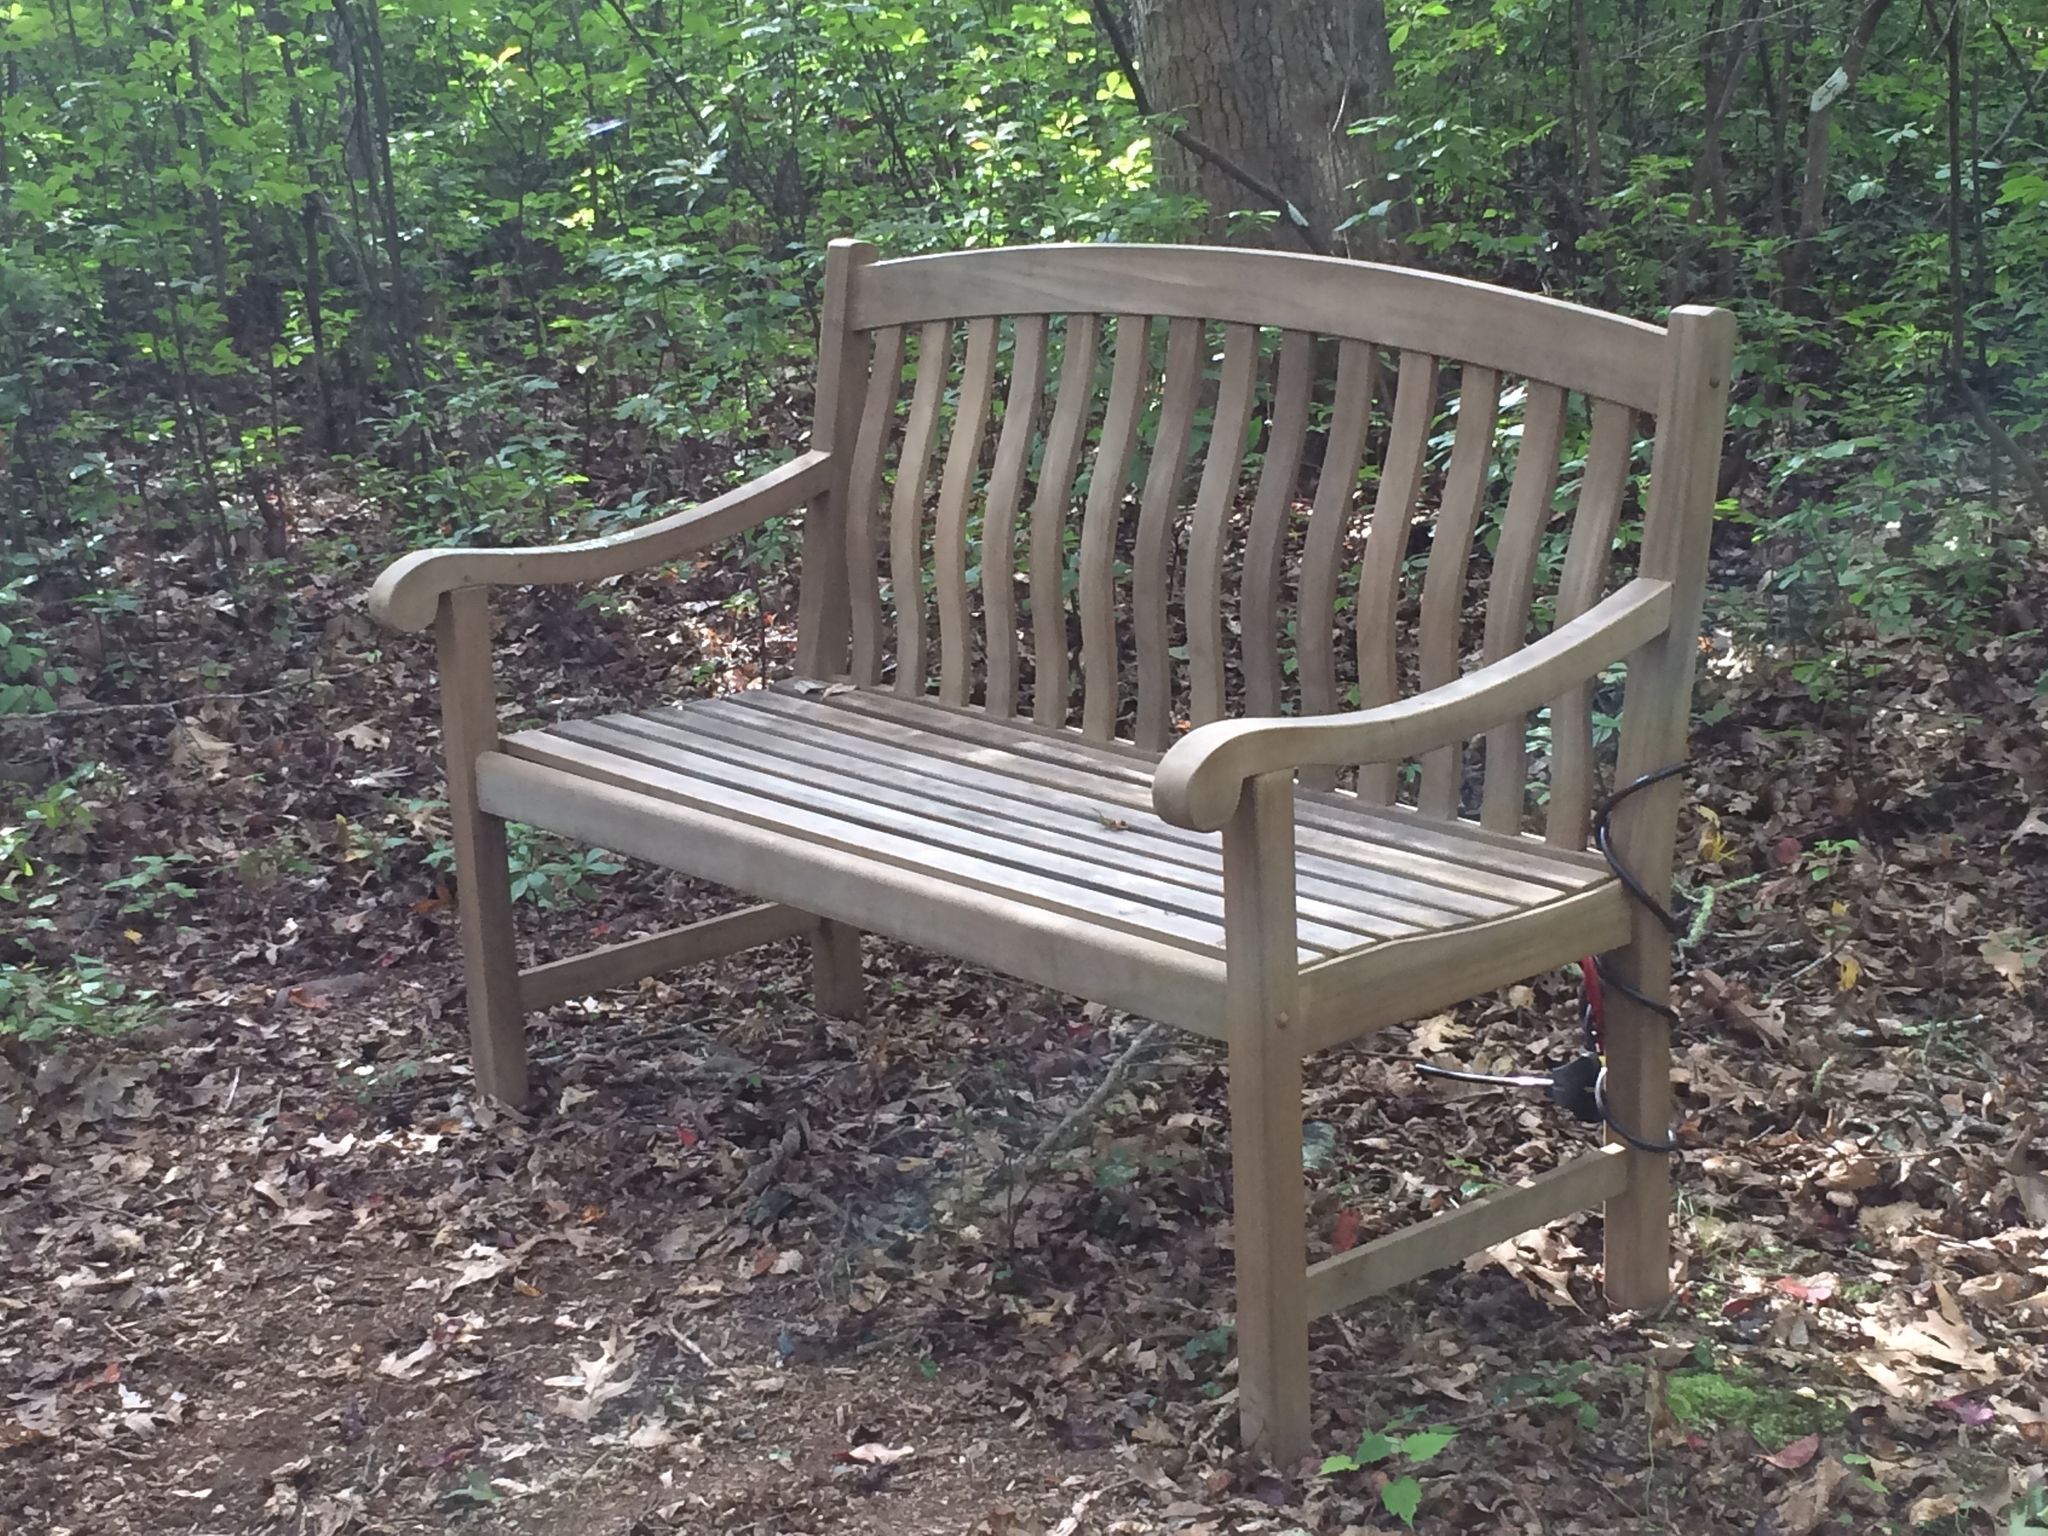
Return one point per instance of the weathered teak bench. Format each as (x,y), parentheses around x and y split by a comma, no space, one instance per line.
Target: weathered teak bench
(1052,821)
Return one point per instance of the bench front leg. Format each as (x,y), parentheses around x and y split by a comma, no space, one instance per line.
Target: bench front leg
(1268,1215)
(490,960)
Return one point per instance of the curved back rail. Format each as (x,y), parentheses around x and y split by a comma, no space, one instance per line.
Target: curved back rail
(1132,489)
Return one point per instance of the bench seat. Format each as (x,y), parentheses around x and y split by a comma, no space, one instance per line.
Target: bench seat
(1038,852)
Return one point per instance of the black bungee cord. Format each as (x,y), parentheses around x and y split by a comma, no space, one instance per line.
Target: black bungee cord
(1579,1087)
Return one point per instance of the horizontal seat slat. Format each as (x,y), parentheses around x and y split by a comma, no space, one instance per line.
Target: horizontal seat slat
(1035,944)
(945,766)
(1456,850)
(614,762)
(772,775)
(1047,819)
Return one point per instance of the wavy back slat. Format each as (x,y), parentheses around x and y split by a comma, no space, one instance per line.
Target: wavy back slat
(1158,518)
(1602,489)
(1450,552)
(1511,591)
(1328,522)
(999,522)
(864,494)
(1107,481)
(1071,425)
(956,491)
(1209,531)
(1272,509)
(906,510)
(1386,547)
(1064,440)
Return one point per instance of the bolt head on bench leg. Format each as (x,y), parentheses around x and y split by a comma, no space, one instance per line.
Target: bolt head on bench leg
(835,971)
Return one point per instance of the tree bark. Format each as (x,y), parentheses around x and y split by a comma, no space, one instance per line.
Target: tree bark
(1273,85)
(1799,257)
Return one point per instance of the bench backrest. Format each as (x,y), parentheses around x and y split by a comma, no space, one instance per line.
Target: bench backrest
(1128,488)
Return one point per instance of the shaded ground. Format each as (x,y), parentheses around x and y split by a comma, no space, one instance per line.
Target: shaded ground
(266,1269)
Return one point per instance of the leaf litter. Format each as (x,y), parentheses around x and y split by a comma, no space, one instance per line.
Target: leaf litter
(268,1268)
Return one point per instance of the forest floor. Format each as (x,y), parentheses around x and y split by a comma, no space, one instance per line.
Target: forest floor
(266,1267)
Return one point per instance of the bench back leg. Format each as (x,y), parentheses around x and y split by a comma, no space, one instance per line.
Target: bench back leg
(835,971)
(1268,1214)
(490,960)
(1678,532)
(1638,1219)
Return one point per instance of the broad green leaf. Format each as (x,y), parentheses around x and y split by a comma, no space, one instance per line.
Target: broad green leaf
(1423,1444)
(1402,1497)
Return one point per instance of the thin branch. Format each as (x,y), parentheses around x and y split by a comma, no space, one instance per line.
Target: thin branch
(2024,464)
(80,711)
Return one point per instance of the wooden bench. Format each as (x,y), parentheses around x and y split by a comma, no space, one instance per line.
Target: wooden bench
(1042,791)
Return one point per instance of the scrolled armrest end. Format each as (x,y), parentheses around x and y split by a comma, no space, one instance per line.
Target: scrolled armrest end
(406,595)
(1197,783)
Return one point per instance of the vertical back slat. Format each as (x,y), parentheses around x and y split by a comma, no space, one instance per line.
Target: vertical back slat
(906,512)
(1202,597)
(1602,489)
(863,495)
(999,522)
(956,493)
(1152,557)
(1063,442)
(1511,590)
(1386,545)
(1106,484)
(1315,617)
(1443,588)
(1259,595)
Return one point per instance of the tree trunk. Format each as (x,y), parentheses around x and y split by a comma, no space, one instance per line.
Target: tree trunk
(1273,85)
(1797,269)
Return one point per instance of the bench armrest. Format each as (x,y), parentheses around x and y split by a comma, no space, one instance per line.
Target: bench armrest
(1198,782)
(411,587)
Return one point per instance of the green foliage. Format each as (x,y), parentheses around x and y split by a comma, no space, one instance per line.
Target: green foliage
(82,997)
(1710,1399)
(535,270)
(546,870)
(1401,1496)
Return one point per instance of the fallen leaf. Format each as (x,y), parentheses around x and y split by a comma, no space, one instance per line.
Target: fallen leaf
(1791,1458)
(489,1265)
(1434,1034)
(2006,959)
(406,1366)
(1344,1232)
(1968,1411)
(598,1381)
(2034,825)
(1812,1289)
(876,1454)
(1804,1505)
(197,754)
(1999,1290)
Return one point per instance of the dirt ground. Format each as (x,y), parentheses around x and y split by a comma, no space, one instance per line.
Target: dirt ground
(266,1267)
